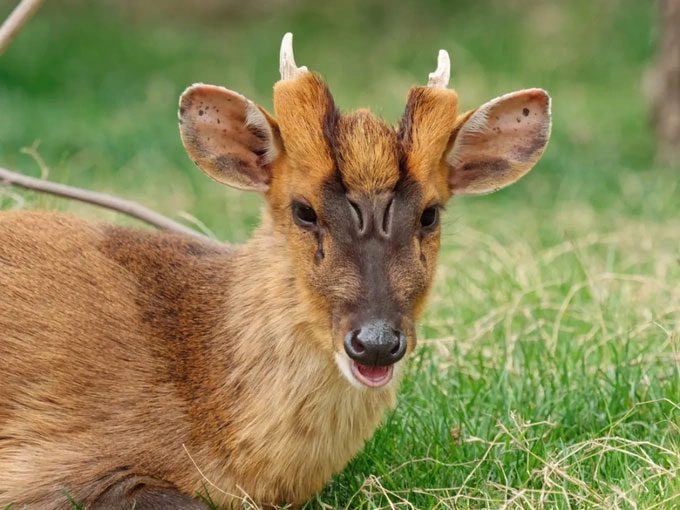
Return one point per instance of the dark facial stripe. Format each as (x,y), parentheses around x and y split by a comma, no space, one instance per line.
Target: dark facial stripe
(403,167)
(330,126)
(405,132)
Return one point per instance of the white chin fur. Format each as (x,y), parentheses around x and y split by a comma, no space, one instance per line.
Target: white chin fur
(345,367)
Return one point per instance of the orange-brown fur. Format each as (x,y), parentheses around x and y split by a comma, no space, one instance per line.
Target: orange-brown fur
(191,345)
(120,349)
(148,361)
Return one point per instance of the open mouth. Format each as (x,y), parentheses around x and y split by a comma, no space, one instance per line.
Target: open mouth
(373,377)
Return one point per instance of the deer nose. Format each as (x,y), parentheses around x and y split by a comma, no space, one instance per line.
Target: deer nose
(376,343)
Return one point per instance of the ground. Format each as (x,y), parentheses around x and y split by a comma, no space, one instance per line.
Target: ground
(548,372)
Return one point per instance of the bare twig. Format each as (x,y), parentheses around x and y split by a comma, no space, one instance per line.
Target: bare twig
(100,199)
(12,25)
(9,29)
(32,151)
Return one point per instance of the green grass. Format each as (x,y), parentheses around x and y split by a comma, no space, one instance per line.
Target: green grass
(548,373)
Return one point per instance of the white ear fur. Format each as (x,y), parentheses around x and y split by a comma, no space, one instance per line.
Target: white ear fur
(500,142)
(228,136)
(256,120)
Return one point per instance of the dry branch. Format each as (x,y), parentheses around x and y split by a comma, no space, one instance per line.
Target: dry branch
(104,200)
(8,31)
(12,25)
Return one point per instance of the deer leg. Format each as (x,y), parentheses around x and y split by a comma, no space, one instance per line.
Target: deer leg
(145,493)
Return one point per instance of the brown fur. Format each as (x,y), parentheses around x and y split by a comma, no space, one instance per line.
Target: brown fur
(138,368)
(121,348)
(367,153)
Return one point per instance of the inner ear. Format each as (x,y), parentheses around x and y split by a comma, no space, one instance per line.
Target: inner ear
(228,136)
(499,142)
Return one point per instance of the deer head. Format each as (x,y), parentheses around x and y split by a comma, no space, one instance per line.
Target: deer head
(357,201)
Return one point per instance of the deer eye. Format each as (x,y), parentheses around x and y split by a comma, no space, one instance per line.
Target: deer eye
(430,217)
(303,215)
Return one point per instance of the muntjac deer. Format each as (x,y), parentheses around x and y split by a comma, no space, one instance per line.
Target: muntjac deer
(138,368)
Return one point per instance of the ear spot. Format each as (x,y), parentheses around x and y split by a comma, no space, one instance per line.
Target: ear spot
(499,142)
(228,136)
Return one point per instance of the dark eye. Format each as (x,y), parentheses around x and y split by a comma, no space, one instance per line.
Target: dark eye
(303,215)
(430,217)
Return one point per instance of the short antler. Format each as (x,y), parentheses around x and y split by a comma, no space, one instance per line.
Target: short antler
(287,65)
(440,77)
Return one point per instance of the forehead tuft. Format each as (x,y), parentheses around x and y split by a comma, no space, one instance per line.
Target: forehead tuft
(358,148)
(366,152)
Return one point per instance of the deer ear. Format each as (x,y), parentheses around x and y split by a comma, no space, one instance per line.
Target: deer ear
(229,137)
(499,142)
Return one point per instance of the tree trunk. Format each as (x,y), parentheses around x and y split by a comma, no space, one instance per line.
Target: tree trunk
(666,84)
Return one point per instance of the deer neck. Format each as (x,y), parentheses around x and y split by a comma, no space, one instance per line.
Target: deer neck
(290,413)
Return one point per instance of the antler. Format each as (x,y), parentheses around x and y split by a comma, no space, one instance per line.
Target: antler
(440,77)
(287,65)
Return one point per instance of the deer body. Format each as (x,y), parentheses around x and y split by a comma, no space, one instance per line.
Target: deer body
(149,352)
(139,368)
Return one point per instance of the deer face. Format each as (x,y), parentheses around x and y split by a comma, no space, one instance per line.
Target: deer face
(358,201)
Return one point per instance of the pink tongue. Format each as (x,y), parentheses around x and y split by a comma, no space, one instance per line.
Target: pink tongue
(373,373)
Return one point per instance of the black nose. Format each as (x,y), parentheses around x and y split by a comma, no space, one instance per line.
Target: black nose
(376,343)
